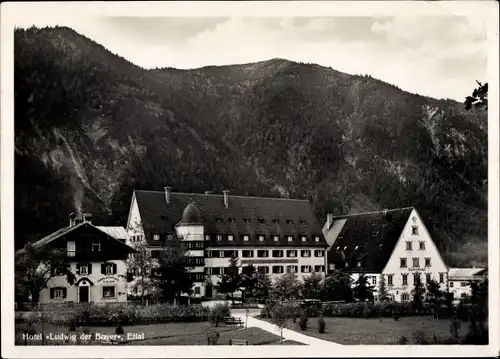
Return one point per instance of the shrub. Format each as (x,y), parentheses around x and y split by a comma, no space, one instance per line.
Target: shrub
(303,321)
(321,325)
(266,311)
(219,312)
(72,325)
(403,340)
(119,329)
(455,328)
(395,316)
(213,338)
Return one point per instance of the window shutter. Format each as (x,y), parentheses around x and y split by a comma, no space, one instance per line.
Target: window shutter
(77,269)
(103,268)
(114,268)
(89,270)
(51,293)
(64,292)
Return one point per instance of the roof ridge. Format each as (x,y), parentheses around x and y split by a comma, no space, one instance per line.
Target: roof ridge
(372,212)
(221,195)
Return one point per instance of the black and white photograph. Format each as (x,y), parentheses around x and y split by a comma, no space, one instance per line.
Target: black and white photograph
(212,175)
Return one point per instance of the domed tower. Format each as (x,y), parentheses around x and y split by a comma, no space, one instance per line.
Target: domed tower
(190,230)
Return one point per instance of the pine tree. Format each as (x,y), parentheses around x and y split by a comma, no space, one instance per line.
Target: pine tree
(418,291)
(231,279)
(362,289)
(382,289)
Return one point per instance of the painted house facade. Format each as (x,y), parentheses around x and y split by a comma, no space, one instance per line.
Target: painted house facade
(96,255)
(275,235)
(391,243)
(460,280)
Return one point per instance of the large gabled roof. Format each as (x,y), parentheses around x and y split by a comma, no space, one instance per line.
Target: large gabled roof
(368,239)
(244,215)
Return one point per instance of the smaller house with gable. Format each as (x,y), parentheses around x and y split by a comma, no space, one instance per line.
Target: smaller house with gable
(96,255)
(391,243)
(461,278)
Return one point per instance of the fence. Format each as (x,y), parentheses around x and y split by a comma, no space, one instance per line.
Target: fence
(35,306)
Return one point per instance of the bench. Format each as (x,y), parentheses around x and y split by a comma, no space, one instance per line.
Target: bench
(233,321)
(238,342)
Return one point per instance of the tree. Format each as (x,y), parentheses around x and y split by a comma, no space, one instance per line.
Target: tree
(382,289)
(418,291)
(231,279)
(139,266)
(286,287)
(479,297)
(279,317)
(479,98)
(249,280)
(263,285)
(434,292)
(35,266)
(362,289)
(312,286)
(171,275)
(338,287)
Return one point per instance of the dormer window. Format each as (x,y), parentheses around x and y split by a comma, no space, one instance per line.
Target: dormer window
(414,230)
(262,221)
(359,263)
(218,220)
(356,248)
(219,237)
(246,220)
(163,217)
(316,239)
(276,221)
(276,238)
(231,220)
(304,238)
(246,237)
(303,223)
(289,238)
(207,237)
(96,246)
(261,238)
(71,249)
(289,221)
(230,237)
(375,233)
(156,237)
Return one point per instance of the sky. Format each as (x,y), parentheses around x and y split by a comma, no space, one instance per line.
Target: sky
(437,56)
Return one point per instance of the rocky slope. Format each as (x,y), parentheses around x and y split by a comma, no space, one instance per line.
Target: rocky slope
(90,127)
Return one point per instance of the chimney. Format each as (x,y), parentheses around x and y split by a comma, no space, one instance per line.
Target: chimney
(226,198)
(168,190)
(208,192)
(72,217)
(329,220)
(87,217)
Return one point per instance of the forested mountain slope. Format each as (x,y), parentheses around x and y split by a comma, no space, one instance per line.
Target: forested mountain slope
(90,127)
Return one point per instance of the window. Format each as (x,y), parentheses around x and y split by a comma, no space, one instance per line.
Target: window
(416,262)
(464,284)
(390,279)
(156,237)
(331,266)
(463,295)
(427,262)
(71,249)
(276,238)
(231,219)
(451,284)
(155,254)
(405,297)
(441,277)
(219,237)
(196,290)
(246,220)
(276,221)
(261,238)
(108,291)
(402,262)
(218,220)
(408,246)
(216,270)
(305,269)
(375,233)
(262,221)
(405,279)
(428,277)
(84,269)
(277,269)
(359,264)
(247,254)
(421,245)
(303,223)
(305,253)
(59,293)
(289,221)
(96,246)
(319,253)
(278,253)
(163,217)
(108,268)
(319,269)
(230,253)
(207,237)
(263,253)
(374,280)
(316,239)
(414,230)
(230,237)
(263,269)
(246,237)
(416,277)
(291,253)
(292,269)
(304,238)
(289,238)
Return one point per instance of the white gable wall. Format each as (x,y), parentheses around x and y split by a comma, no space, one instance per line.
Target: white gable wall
(134,223)
(393,266)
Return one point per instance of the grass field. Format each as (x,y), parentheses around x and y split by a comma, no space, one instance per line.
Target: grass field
(352,331)
(157,334)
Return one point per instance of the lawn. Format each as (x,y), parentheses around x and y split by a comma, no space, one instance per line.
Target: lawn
(352,331)
(159,334)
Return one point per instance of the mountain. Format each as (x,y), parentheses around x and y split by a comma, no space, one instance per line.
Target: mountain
(90,127)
